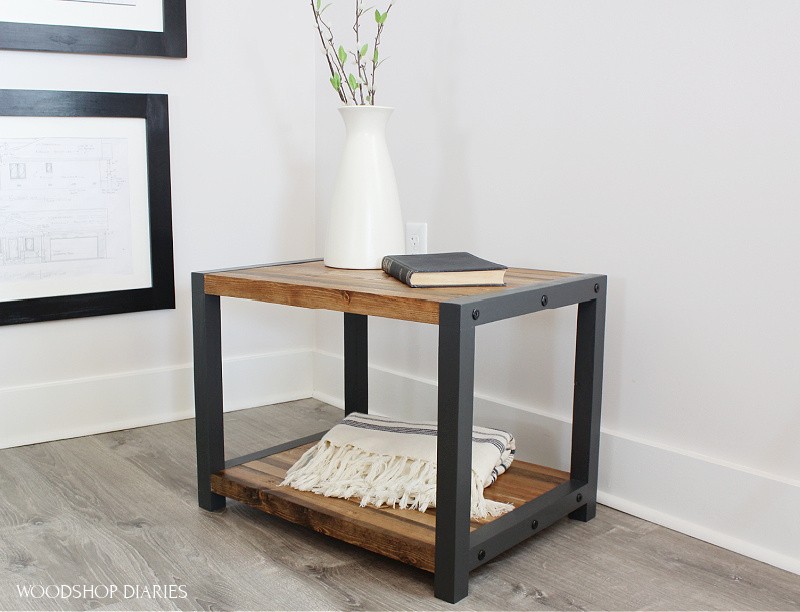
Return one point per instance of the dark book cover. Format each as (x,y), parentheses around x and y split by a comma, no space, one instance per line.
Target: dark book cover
(449,266)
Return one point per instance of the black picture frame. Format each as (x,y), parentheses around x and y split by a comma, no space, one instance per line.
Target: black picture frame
(154,109)
(171,42)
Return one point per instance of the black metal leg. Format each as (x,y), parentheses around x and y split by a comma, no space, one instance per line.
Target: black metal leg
(454,452)
(587,399)
(207,331)
(356,396)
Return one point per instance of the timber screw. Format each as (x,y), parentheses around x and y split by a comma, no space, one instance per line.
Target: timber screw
(534,524)
(481,555)
(475,314)
(597,287)
(580,497)
(544,300)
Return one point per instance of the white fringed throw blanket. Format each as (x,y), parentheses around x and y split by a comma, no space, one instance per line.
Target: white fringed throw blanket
(382,461)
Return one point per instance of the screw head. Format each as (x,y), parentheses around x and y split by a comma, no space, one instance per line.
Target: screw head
(534,524)
(580,497)
(545,300)
(597,287)
(475,314)
(481,555)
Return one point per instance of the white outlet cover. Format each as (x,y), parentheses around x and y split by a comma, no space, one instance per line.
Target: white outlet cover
(416,238)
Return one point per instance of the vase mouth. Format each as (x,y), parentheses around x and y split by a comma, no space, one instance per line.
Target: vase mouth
(350,106)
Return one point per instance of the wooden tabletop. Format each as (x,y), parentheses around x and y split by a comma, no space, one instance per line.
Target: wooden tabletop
(371,292)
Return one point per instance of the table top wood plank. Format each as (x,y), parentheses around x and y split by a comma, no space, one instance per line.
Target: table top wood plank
(369,292)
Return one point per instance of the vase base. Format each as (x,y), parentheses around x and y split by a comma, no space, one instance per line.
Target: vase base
(351,266)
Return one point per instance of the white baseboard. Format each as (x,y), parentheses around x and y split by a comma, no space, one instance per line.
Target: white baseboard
(734,507)
(73,408)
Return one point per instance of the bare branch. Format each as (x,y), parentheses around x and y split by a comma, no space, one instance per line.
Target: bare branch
(375,51)
(357,54)
(361,90)
(318,20)
(334,62)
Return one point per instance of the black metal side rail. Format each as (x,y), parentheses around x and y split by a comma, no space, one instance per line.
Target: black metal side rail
(274,450)
(512,303)
(505,532)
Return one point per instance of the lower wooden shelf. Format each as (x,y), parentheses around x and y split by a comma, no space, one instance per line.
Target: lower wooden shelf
(405,535)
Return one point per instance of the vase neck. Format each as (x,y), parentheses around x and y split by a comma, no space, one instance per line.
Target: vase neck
(370,119)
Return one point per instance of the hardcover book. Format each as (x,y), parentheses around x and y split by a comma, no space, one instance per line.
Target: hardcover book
(444,270)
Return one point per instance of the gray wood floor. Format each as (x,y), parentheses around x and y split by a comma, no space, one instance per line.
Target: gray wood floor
(119,509)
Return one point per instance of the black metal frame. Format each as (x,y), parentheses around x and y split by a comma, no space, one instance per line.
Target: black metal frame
(171,42)
(458,550)
(154,109)
(208,407)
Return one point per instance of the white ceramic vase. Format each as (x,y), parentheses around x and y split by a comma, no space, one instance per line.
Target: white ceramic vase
(366,222)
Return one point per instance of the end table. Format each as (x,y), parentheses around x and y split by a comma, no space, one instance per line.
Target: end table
(443,541)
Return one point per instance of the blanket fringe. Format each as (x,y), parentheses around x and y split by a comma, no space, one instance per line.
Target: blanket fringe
(396,481)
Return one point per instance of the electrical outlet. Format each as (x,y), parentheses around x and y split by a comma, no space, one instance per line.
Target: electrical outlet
(416,238)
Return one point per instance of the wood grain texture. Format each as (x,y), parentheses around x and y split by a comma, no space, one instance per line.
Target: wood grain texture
(121,508)
(372,292)
(406,535)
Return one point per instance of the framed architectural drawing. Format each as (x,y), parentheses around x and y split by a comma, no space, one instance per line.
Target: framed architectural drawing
(124,27)
(85,205)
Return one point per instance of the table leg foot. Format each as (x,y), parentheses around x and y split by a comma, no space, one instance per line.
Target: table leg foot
(584,513)
(451,589)
(211,502)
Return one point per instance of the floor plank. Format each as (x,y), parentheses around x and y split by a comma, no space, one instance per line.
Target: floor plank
(120,509)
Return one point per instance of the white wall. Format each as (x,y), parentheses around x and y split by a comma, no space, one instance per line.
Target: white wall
(242,149)
(659,143)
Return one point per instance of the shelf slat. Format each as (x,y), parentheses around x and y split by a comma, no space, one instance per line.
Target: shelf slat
(405,535)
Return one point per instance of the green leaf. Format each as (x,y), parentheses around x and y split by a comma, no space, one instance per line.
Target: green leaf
(352,81)
(375,56)
(336,81)
(363,51)
(383,17)
(342,55)
(377,16)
